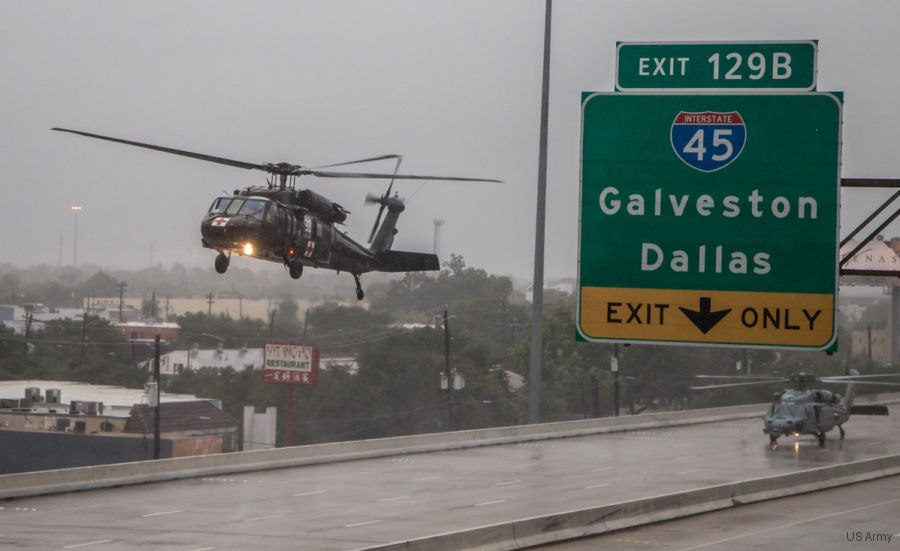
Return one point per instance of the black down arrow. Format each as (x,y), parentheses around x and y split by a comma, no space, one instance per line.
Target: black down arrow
(704,319)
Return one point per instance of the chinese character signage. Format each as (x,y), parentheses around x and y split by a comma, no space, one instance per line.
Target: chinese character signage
(290,363)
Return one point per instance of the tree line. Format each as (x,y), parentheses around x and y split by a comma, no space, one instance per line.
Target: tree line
(399,342)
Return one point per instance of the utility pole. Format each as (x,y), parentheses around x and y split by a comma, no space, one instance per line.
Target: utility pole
(84,321)
(122,287)
(209,303)
(76,209)
(447,372)
(537,299)
(614,367)
(156,408)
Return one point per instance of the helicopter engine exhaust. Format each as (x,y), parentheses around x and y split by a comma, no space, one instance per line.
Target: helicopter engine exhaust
(320,205)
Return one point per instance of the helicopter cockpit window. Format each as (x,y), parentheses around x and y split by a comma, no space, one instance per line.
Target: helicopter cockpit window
(254,208)
(786,410)
(220,205)
(234,207)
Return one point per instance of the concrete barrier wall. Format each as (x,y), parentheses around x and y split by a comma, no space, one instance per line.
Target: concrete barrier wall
(103,476)
(558,527)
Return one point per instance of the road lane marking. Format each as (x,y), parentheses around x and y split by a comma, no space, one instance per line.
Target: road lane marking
(507,482)
(204,549)
(148,515)
(790,525)
(495,502)
(689,471)
(386,499)
(357,524)
(596,486)
(310,493)
(424,478)
(268,517)
(601,469)
(85,544)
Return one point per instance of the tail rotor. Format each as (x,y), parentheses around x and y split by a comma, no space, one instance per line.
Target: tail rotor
(381,200)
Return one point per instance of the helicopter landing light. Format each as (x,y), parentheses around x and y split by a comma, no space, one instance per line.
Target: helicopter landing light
(248,249)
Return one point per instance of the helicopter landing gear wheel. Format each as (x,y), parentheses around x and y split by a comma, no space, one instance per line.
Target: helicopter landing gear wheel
(773,440)
(222,262)
(359,290)
(295,268)
(821,436)
(840,428)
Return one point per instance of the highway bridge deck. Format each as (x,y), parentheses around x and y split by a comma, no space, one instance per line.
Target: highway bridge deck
(368,502)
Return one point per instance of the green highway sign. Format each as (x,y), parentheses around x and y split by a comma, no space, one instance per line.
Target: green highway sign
(710,219)
(759,66)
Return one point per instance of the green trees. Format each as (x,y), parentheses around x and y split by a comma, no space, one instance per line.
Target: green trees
(399,345)
(70,350)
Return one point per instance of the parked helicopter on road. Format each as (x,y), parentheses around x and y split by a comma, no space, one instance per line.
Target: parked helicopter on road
(807,410)
(298,227)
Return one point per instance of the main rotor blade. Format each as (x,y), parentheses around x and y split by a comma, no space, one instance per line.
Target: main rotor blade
(741,377)
(381,158)
(192,155)
(856,377)
(732,385)
(327,174)
(844,381)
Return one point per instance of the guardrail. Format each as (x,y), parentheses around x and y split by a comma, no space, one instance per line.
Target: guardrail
(141,472)
(520,534)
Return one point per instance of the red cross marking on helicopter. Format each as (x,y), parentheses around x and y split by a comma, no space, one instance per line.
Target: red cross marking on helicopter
(310,249)
(219,222)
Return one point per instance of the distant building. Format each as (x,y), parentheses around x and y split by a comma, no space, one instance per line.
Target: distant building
(39,431)
(116,400)
(147,331)
(195,427)
(34,316)
(233,307)
(239,359)
(565,285)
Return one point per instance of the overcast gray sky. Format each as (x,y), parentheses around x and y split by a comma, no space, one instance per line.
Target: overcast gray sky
(453,86)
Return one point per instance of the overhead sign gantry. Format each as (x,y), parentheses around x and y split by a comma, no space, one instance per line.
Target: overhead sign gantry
(710,218)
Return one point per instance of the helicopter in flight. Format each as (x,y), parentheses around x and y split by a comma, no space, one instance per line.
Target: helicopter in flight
(298,227)
(807,410)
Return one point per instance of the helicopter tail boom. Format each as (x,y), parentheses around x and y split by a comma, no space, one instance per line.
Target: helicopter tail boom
(873,409)
(403,261)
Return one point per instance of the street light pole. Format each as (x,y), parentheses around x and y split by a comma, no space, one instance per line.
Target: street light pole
(537,298)
(76,209)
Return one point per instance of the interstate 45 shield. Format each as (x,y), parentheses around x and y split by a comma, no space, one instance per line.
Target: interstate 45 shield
(708,141)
